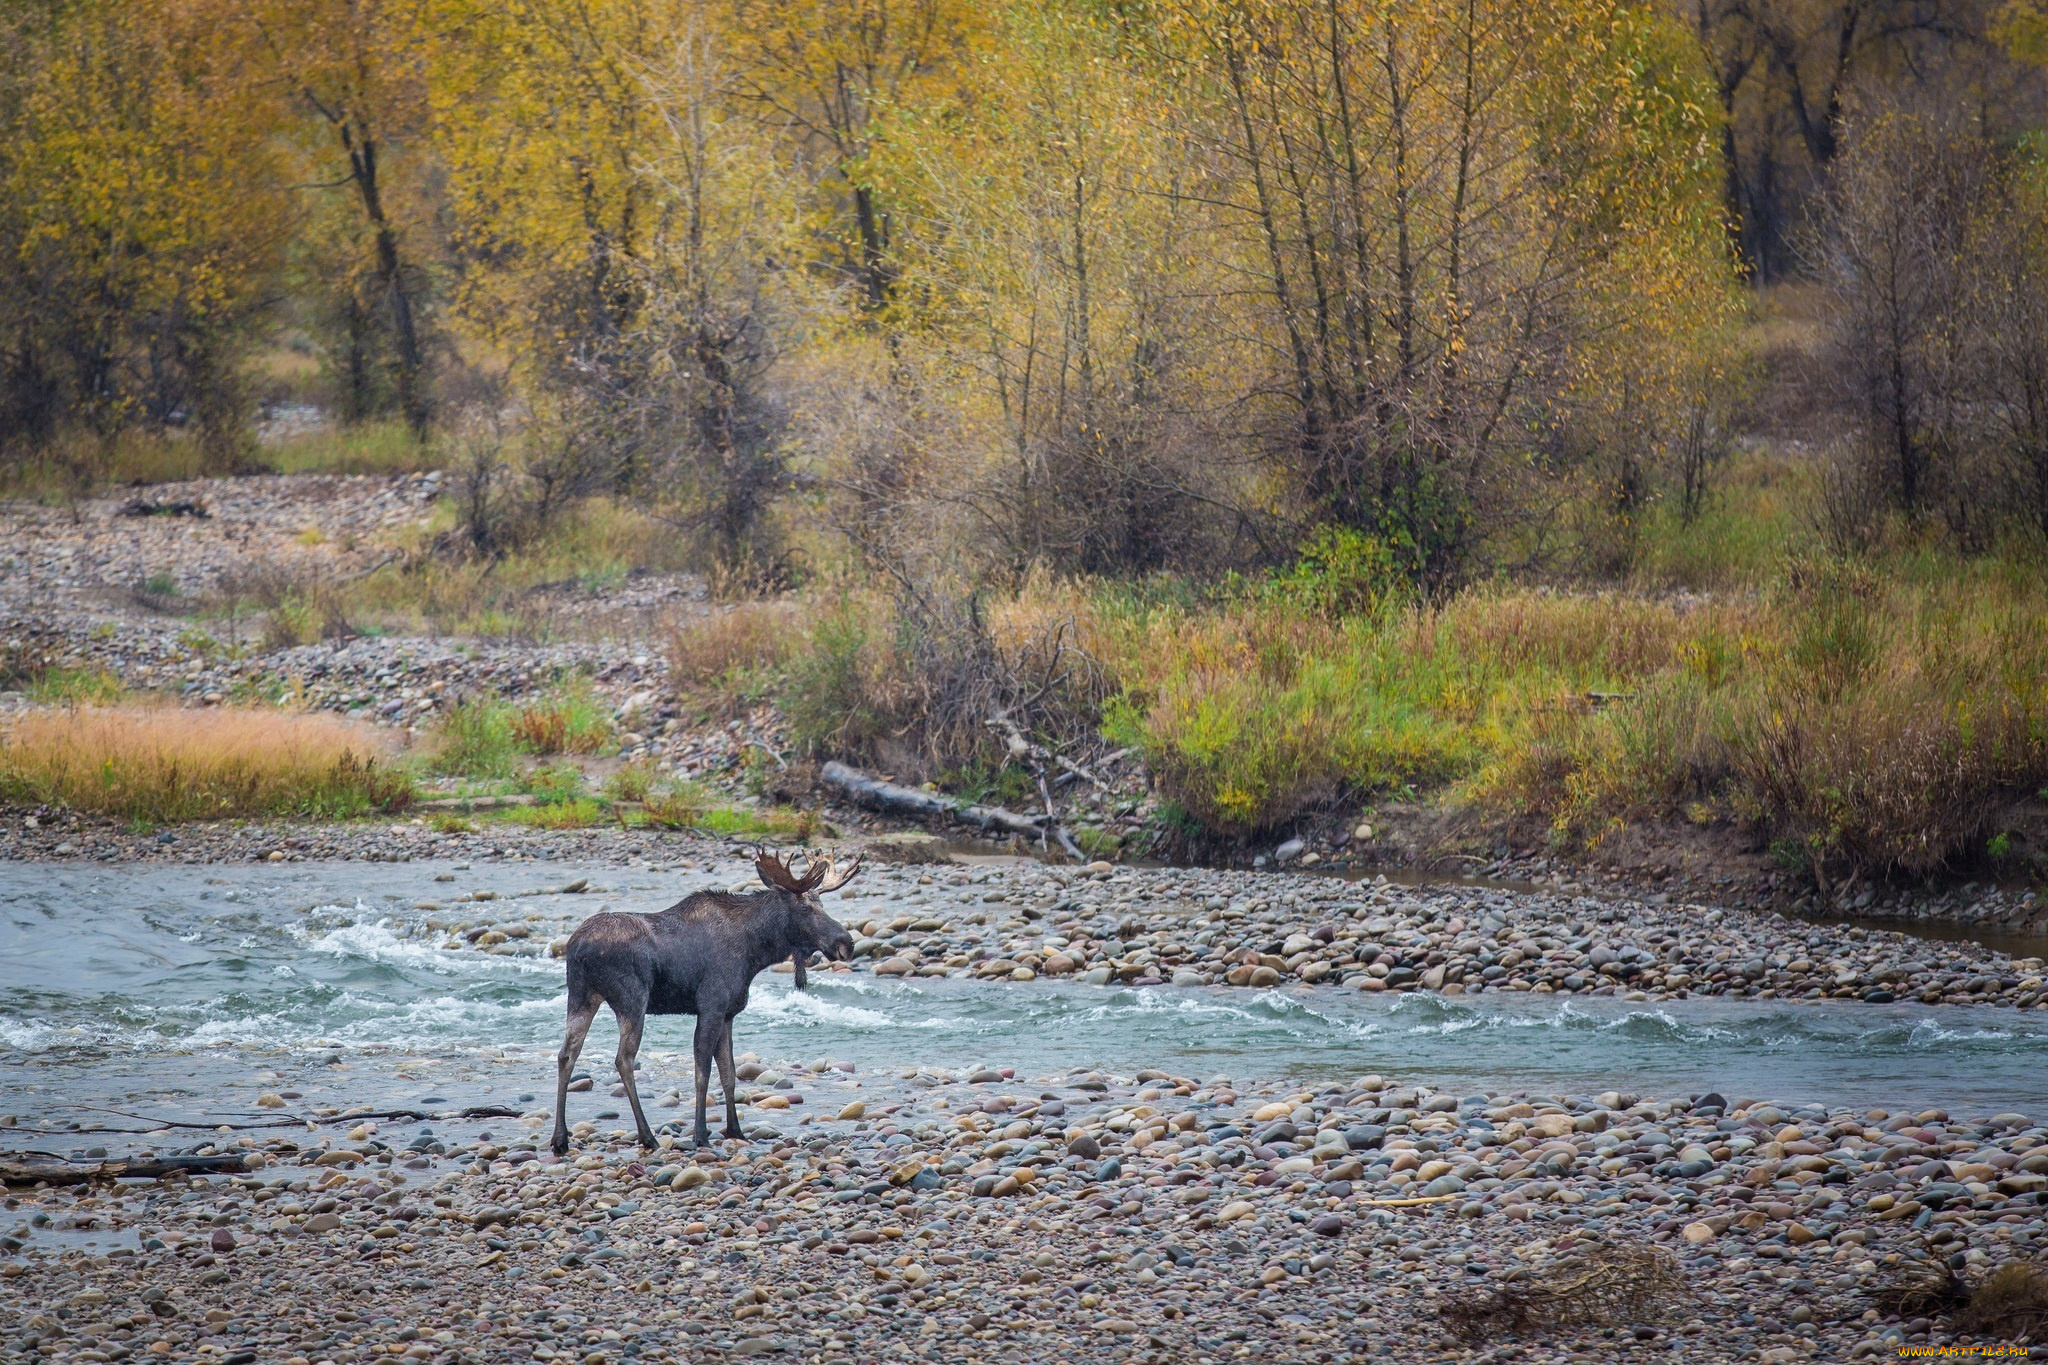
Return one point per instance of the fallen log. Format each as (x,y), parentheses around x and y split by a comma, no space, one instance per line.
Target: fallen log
(475,1111)
(466,804)
(14,1172)
(876,794)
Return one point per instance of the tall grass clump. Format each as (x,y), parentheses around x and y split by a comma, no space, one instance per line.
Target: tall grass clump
(161,764)
(474,739)
(1900,727)
(1254,712)
(733,655)
(1872,724)
(568,720)
(1874,718)
(1250,716)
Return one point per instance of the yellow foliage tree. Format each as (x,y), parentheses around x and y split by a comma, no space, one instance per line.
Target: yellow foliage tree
(1461,214)
(826,72)
(350,70)
(1058,267)
(139,221)
(542,115)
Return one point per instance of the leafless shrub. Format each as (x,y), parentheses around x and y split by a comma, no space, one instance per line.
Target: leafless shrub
(912,681)
(1602,1285)
(2011,1303)
(1898,205)
(1919,1285)
(1849,513)
(301,608)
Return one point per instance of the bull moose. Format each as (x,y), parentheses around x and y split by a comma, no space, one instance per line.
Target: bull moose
(698,957)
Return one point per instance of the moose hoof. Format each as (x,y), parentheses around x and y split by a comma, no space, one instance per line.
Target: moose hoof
(560,1146)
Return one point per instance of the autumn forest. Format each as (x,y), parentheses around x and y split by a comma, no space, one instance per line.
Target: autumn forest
(1320,398)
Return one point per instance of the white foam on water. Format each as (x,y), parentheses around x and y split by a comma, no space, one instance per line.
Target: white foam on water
(34,1035)
(1927,1032)
(377,941)
(808,1008)
(1134,1004)
(451,1024)
(271,1028)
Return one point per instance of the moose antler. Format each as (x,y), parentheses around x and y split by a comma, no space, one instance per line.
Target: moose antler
(776,873)
(834,879)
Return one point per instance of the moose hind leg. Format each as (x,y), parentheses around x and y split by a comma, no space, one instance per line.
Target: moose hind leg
(629,1048)
(580,1015)
(705,1045)
(730,1080)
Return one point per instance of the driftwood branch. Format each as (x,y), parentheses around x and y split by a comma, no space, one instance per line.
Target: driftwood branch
(480,1111)
(876,794)
(465,804)
(14,1172)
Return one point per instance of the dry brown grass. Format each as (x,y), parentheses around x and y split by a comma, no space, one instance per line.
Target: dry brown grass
(165,764)
(709,651)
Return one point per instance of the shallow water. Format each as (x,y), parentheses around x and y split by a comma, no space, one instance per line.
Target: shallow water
(1998,938)
(184,992)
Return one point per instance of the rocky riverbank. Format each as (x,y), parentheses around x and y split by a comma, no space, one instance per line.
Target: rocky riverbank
(984,1216)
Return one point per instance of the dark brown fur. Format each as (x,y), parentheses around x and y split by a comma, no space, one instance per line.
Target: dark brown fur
(699,956)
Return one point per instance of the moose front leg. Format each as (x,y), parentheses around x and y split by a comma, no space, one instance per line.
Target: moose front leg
(705,1047)
(731,1080)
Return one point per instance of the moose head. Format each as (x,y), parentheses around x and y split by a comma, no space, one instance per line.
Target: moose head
(808,928)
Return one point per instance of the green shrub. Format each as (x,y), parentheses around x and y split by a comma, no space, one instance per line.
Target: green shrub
(568,720)
(556,783)
(633,782)
(89,686)
(575,813)
(474,739)
(1341,572)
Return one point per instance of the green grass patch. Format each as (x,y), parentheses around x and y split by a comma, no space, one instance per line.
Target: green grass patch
(580,812)
(474,739)
(690,806)
(1874,715)
(566,720)
(75,687)
(385,447)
